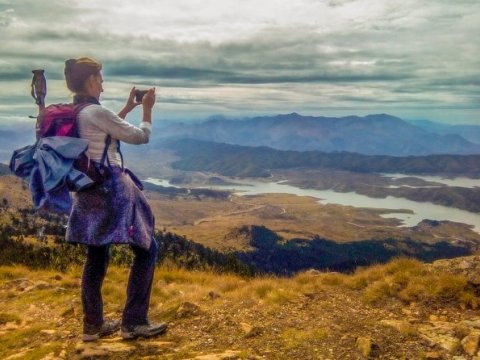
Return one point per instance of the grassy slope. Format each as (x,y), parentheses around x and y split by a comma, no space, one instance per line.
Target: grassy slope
(310,316)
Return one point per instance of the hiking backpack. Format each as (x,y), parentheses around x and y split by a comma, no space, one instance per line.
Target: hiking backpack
(57,163)
(58,120)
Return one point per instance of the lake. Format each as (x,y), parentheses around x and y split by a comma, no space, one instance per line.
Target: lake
(421,210)
(459,181)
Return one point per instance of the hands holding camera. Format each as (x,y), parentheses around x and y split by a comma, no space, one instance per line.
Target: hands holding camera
(137,97)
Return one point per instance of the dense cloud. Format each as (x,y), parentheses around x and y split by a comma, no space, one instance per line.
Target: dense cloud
(322,57)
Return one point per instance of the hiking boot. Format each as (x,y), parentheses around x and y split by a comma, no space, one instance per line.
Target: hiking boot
(148,330)
(94,332)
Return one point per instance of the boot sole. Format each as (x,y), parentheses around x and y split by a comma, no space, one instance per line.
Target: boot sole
(95,337)
(88,337)
(126,335)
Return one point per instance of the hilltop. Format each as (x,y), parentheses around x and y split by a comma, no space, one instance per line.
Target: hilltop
(401,310)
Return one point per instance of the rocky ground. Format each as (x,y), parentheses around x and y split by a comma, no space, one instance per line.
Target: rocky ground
(212,316)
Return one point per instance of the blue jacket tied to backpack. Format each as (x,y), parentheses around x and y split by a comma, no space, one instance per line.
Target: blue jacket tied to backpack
(49,165)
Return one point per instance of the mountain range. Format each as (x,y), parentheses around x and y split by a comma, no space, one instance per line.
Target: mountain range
(468,132)
(378,134)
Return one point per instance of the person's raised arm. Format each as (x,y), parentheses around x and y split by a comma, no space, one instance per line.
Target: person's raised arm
(115,125)
(148,101)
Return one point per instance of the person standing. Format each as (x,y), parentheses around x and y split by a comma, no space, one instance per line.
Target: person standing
(114,210)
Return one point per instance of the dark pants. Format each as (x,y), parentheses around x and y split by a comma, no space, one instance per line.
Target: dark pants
(138,290)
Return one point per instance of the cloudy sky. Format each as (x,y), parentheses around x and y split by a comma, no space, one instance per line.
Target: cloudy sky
(415,59)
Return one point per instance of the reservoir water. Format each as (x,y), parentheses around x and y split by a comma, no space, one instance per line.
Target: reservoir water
(458,182)
(420,210)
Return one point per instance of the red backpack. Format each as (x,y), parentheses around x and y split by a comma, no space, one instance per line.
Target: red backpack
(58,120)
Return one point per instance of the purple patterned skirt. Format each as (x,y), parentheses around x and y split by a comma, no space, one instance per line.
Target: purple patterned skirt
(115,212)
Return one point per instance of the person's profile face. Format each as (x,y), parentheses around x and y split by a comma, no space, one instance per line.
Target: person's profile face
(95,83)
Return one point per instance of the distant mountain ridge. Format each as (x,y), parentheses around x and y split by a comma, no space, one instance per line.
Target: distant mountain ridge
(468,132)
(245,161)
(378,134)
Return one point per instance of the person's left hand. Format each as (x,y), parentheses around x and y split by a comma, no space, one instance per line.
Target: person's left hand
(131,103)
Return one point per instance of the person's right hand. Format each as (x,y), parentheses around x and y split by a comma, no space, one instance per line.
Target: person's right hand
(148,99)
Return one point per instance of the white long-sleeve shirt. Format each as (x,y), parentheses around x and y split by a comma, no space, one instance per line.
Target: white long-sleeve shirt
(96,122)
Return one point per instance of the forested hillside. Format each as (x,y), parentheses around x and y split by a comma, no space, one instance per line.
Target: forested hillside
(235,160)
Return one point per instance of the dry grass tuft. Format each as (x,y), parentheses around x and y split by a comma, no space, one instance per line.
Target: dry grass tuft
(408,280)
(7,318)
(332,279)
(293,338)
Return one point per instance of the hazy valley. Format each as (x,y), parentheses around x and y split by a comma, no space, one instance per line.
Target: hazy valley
(230,221)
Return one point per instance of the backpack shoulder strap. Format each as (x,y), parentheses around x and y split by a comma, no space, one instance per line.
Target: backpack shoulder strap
(108,140)
(79,107)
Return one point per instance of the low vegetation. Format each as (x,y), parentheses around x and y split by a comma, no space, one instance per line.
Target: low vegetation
(409,280)
(310,315)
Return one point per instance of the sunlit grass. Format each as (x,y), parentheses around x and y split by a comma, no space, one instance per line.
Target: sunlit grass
(293,338)
(408,280)
(8,317)
(13,272)
(18,338)
(43,350)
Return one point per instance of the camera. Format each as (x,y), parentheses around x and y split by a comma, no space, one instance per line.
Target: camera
(139,95)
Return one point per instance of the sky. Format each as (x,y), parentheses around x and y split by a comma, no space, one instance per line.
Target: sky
(415,59)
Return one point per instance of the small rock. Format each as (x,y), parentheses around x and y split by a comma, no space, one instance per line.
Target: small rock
(18,355)
(246,327)
(442,334)
(472,323)
(470,343)
(26,284)
(407,312)
(365,345)
(12,325)
(433,355)
(213,295)
(91,352)
(401,326)
(255,331)
(313,272)
(42,285)
(48,332)
(50,356)
(156,344)
(188,309)
(68,312)
(103,348)
(39,285)
(227,355)
(249,330)
(310,295)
